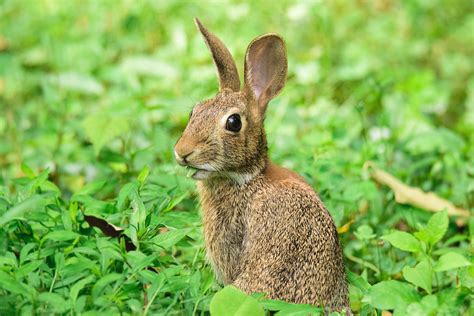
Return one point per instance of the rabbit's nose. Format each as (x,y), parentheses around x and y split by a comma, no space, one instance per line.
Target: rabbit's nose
(181,158)
(183,149)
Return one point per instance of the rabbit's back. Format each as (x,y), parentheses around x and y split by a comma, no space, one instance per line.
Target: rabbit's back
(292,250)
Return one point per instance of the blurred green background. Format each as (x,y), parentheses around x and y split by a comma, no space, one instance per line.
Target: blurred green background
(99,90)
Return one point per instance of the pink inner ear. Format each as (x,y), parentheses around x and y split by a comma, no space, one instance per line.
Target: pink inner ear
(264,68)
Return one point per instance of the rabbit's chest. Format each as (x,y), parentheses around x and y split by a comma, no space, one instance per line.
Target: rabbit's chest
(224,232)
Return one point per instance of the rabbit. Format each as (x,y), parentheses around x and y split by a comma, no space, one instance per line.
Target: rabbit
(265,228)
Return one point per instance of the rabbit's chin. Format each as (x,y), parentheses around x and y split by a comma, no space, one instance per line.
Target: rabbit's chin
(201,175)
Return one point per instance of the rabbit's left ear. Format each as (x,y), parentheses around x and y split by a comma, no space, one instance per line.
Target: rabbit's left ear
(266,66)
(226,69)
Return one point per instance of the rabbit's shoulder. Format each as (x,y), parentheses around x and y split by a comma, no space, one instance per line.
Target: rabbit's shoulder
(286,194)
(286,182)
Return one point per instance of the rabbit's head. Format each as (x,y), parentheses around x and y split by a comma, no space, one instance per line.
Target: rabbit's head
(225,135)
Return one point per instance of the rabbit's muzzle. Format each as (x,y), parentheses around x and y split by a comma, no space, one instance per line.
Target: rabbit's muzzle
(184,153)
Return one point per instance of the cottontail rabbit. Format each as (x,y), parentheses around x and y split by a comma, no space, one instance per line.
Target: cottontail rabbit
(265,228)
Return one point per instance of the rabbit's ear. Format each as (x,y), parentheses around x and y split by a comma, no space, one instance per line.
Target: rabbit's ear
(265,68)
(226,69)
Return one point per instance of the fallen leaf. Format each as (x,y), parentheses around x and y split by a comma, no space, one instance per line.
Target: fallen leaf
(405,194)
(109,230)
(345,228)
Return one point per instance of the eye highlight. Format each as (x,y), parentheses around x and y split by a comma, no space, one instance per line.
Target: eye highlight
(233,123)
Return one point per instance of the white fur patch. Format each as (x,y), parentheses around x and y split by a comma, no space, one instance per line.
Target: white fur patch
(240,178)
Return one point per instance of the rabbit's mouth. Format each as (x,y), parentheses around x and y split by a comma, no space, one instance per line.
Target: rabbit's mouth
(199,174)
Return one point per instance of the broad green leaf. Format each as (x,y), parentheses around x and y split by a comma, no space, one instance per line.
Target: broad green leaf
(34,203)
(53,301)
(364,232)
(125,193)
(61,235)
(170,238)
(451,260)
(91,188)
(27,170)
(231,301)
(427,307)
(7,282)
(25,252)
(78,286)
(435,229)
(357,281)
(139,260)
(403,241)
(27,268)
(157,281)
(195,284)
(102,283)
(8,259)
(288,309)
(39,180)
(391,295)
(420,275)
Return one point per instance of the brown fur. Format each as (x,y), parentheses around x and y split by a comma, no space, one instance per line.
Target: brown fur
(265,228)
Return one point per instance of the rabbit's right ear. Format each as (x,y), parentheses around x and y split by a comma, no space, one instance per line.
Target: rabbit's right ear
(226,69)
(265,68)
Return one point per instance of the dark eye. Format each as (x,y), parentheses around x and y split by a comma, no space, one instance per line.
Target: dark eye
(191,113)
(233,123)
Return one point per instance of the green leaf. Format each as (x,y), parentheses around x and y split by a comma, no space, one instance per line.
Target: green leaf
(435,229)
(27,268)
(403,241)
(7,282)
(391,295)
(78,286)
(137,218)
(357,281)
(35,203)
(61,235)
(427,306)
(231,301)
(451,260)
(170,238)
(364,232)
(125,193)
(91,188)
(289,309)
(55,302)
(420,275)
(143,175)
(102,283)
(102,127)
(28,171)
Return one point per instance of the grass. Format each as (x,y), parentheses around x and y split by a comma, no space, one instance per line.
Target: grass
(93,96)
